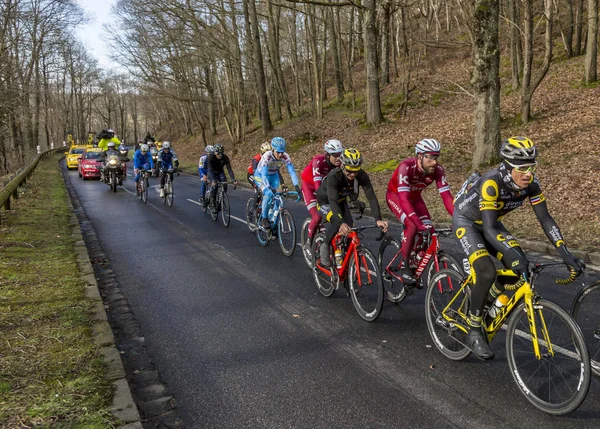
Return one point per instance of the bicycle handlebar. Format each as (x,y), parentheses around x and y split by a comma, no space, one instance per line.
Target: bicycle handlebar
(537,268)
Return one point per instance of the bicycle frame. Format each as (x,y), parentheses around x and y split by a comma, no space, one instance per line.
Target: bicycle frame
(351,251)
(277,204)
(524,292)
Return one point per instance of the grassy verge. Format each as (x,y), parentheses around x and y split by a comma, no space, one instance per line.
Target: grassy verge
(51,375)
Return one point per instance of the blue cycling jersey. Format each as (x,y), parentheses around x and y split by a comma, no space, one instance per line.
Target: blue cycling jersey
(165,159)
(269,166)
(139,159)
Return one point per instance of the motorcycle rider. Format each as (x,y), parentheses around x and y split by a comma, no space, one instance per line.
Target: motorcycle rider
(107,137)
(111,150)
(166,160)
(141,160)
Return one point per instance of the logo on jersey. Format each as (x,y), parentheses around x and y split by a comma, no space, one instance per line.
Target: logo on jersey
(402,179)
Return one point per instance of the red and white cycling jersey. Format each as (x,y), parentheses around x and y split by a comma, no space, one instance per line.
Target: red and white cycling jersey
(409,178)
(316,170)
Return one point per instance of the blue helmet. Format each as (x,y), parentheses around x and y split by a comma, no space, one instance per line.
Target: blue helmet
(278,144)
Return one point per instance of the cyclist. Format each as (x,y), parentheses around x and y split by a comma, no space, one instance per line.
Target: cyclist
(343,182)
(142,159)
(203,172)
(216,163)
(476,224)
(267,174)
(266,146)
(312,177)
(166,160)
(149,138)
(107,137)
(404,199)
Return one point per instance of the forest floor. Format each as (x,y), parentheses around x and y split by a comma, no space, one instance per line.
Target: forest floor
(565,126)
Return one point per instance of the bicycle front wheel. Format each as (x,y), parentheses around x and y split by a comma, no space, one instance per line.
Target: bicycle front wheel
(388,253)
(558,381)
(366,287)
(251,214)
(286,230)
(214,208)
(145,191)
(586,312)
(445,332)
(225,211)
(324,281)
(169,195)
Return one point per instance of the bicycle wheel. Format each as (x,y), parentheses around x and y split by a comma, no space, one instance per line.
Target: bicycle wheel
(214,207)
(286,231)
(387,251)
(558,382)
(323,281)
(365,284)
(586,312)
(251,214)
(446,335)
(445,260)
(303,237)
(165,191)
(145,190)
(225,211)
(261,235)
(169,194)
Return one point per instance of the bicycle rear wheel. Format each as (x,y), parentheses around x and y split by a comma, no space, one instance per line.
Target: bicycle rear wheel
(286,231)
(388,250)
(214,207)
(447,336)
(365,284)
(586,312)
(306,252)
(225,211)
(251,214)
(324,282)
(558,382)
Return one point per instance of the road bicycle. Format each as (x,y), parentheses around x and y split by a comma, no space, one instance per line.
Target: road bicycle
(355,267)
(220,202)
(143,185)
(586,312)
(545,349)
(282,226)
(425,258)
(168,188)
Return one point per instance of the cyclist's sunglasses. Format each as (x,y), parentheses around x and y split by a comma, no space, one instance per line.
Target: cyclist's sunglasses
(336,155)
(280,153)
(525,168)
(352,170)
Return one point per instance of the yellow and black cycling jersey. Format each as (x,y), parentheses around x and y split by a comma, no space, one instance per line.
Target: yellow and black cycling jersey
(481,208)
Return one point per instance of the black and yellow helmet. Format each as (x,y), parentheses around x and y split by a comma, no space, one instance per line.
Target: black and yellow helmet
(351,159)
(518,149)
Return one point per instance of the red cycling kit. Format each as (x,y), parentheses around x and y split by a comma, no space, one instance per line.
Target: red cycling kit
(312,176)
(404,199)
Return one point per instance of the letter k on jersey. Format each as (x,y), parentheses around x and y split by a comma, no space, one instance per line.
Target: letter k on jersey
(402,179)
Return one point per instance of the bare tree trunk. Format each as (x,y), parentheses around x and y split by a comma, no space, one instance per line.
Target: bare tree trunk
(591,51)
(339,80)
(374,115)
(260,70)
(315,62)
(212,120)
(578,28)
(295,63)
(386,7)
(529,87)
(516,52)
(486,81)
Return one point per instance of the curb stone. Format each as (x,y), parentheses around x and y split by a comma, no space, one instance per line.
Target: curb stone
(123,407)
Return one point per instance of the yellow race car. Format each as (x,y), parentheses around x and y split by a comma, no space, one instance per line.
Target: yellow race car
(73,155)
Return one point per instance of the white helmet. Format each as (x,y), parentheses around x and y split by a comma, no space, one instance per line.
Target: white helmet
(166,145)
(265,147)
(209,149)
(333,146)
(428,145)
(144,148)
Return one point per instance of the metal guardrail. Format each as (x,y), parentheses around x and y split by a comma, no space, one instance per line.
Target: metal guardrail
(11,189)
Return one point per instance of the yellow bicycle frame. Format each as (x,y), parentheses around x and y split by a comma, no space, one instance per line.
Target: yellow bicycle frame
(524,292)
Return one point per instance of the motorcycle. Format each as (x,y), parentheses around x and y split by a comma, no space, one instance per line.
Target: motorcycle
(114,172)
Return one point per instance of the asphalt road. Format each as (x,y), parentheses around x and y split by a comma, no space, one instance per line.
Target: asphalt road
(242,337)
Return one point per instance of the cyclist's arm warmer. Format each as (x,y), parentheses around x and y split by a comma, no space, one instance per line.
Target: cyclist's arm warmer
(230,171)
(290,169)
(550,228)
(365,183)
(264,171)
(444,189)
(316,173)
(403,195)
(136,160)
